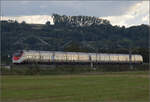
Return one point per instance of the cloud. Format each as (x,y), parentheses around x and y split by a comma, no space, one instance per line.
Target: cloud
(24,2)
(145,19)
(117,12)
(34,19)
(89,8)
(136,14)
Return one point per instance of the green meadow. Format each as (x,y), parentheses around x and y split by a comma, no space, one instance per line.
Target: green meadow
(88,87)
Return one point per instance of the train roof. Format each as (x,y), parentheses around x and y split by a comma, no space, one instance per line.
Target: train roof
(83,53)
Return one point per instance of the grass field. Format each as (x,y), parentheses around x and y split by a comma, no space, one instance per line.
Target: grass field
(97,87)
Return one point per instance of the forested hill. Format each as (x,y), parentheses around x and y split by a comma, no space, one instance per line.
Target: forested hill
(76,33)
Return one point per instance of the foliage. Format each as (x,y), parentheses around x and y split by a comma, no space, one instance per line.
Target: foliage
(78,20)
(37,69)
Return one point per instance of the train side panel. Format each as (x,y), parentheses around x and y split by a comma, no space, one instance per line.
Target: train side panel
(71,57)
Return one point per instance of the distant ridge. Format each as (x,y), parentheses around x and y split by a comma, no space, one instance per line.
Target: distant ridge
(34,19)
(57,19)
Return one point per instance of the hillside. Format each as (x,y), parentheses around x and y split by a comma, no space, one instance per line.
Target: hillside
(77,33)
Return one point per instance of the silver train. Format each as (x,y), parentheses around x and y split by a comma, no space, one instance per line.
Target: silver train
(30,56)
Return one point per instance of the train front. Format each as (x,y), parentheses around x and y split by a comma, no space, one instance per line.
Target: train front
(17,57)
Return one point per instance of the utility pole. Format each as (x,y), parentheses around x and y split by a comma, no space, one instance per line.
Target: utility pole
(94,49)
(129,49)
(91,61)
(130,58)
(9,63)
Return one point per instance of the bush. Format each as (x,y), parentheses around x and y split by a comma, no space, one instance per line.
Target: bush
(68,69)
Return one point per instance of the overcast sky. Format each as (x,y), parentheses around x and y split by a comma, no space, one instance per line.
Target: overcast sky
(118,12)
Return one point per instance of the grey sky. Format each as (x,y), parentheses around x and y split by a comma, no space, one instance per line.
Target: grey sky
(117,12)
(90,8)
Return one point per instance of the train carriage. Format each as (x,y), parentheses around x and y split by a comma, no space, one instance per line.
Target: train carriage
(50,57)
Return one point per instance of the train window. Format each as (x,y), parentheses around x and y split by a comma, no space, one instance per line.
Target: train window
(74,57)
(98,58)
(111,58)
(17,54)
(121,58)
(36,57)
(29,56)
(132,58)
(45,57)
(93,58)
(140,58)
(127,58)
(106,58)
(102,58)
(116,58)
(137,58)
